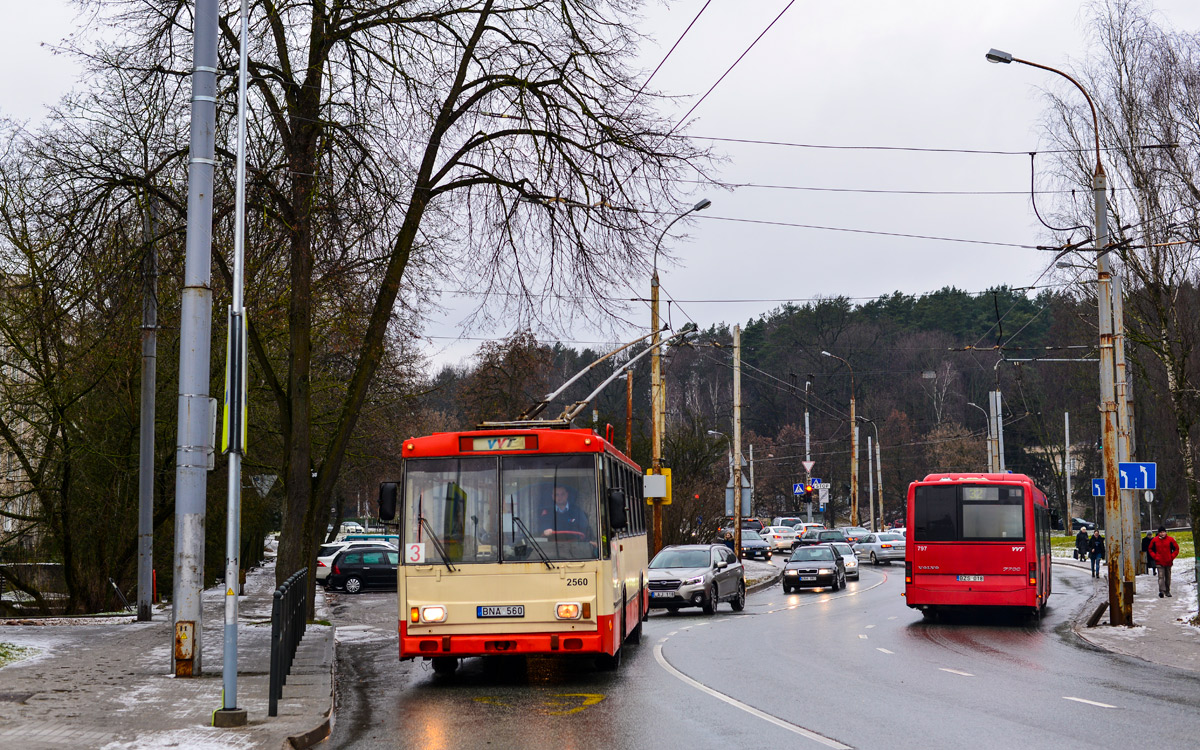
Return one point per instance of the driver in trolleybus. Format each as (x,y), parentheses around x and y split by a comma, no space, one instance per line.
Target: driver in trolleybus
(565,515)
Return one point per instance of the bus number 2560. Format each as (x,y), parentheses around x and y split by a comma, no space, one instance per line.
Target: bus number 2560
(577,581)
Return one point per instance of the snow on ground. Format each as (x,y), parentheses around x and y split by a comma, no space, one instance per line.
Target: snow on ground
(207,738)
(356,633)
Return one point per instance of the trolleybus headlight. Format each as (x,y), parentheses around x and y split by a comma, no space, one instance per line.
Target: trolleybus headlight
(567,611)
(433,613)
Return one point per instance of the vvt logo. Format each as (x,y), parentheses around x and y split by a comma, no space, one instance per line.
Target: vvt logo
(1018,549)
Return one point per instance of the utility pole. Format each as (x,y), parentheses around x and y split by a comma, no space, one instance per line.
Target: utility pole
(1130,546)
(737,441)
(195,330)
(879,472)
(871,483)
(853,444)
(995,431)
(146,429)
(629,413)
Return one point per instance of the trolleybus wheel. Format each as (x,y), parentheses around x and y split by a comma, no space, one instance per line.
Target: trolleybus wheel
(929,614)
(739,602)
(635,635)
(353,585)
(445,665)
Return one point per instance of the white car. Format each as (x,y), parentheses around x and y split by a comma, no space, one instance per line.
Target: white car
(848,556)
(779,537)
(329,551)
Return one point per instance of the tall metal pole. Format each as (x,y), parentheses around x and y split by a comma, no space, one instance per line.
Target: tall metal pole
(628,413)
(195,329)
(871,482)
(987,442)
(879,471)
(737,441)
(234,403)
(1067,469)
(995,425)
(1130,544)
(146,429)
(807,445)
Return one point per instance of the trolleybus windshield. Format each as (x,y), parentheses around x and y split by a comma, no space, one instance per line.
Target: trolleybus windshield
(491,509)
(968,513)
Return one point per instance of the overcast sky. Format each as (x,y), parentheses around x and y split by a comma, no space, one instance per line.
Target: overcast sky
(867,73)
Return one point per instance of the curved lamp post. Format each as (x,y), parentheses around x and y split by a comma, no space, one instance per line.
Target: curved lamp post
(658,401)
(1118,511)
(853,445)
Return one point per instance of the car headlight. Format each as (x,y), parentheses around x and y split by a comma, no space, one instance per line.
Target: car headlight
(853,563)
(791,573)
(824,572)
(694,581)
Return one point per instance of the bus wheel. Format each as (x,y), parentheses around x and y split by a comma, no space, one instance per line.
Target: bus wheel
(739,602)
(929,614)
(609,662)
(444,665)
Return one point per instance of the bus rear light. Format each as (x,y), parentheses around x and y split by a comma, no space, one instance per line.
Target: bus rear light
(587,611)
(428,646)
(908,571)
(433,613)
(414,615)
(1032,574)
(568,611)
(572,644)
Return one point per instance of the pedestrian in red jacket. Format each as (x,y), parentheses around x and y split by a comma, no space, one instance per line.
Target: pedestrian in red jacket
(1163,549)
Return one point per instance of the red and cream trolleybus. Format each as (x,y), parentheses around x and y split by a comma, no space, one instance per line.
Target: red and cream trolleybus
(977,540)
(518,540)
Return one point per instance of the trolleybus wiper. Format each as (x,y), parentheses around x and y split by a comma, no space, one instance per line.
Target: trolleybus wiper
(437,544)
(525,530)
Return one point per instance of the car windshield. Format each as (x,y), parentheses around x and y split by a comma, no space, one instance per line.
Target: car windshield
(751,536)
(681,558)
(812,553)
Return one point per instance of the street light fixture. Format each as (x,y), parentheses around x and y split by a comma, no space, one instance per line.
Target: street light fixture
(1112,398)
(658,401)
(853,444)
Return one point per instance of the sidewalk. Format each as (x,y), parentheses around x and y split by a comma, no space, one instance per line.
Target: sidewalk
(1161,632)
(107,682)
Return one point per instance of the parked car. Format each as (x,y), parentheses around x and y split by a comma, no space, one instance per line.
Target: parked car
(351,527)
(391,539)
(779,537)
(753,545)
(814,566)
(786,520)
(753,524)
(358,568)
(1079,523)
(849,559)
(696,575)
(328,552)
(882,547)
(820,536)
(853,533)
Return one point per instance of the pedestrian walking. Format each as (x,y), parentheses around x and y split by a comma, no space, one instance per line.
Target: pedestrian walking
(1081,544)
(1163,548)
(1096,552)
(1150,566)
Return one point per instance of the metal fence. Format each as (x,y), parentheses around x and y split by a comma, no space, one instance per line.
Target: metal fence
(287,628)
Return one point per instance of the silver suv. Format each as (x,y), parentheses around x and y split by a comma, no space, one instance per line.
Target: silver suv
(697,575)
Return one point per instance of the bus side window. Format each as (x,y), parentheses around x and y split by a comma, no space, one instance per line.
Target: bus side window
(639,505)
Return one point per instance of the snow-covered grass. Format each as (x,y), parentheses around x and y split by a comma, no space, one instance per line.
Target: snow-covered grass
(11,652)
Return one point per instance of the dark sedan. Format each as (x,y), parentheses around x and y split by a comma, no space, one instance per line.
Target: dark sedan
(753,545)
(820,536)
(814,566)
(359,568)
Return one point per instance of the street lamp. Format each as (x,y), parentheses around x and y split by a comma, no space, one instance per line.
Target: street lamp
(1120,546)
(853,445)
(658,401)
(988,442)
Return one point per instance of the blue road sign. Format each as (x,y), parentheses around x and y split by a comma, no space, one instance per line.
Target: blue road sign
(1138,476)
(798,488)
(1097,488)
(815,482)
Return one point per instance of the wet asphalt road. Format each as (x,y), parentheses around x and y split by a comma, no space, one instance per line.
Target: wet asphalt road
(814,669)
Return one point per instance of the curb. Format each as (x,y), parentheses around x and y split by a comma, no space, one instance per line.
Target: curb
(765,584)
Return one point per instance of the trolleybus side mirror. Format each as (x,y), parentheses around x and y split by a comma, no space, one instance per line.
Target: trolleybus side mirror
(387,501)
(616,508)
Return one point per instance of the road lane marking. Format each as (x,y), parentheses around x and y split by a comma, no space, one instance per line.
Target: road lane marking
(1085,700)
(893,617)
(860,635)
(794,728)
(884,650)
(955,671)
(870,626)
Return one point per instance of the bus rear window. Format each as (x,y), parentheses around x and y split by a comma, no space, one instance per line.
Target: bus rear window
(936,513)
(993,513)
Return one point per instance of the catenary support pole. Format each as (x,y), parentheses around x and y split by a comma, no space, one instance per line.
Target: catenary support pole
(807,447)
(871,483)
(194,442)
(147,416)
(737,441)
(1067,467)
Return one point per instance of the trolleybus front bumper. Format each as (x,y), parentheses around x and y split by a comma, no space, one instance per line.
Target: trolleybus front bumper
(597,641)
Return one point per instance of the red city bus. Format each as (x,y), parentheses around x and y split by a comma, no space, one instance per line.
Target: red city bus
(518,540)
(977,540)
